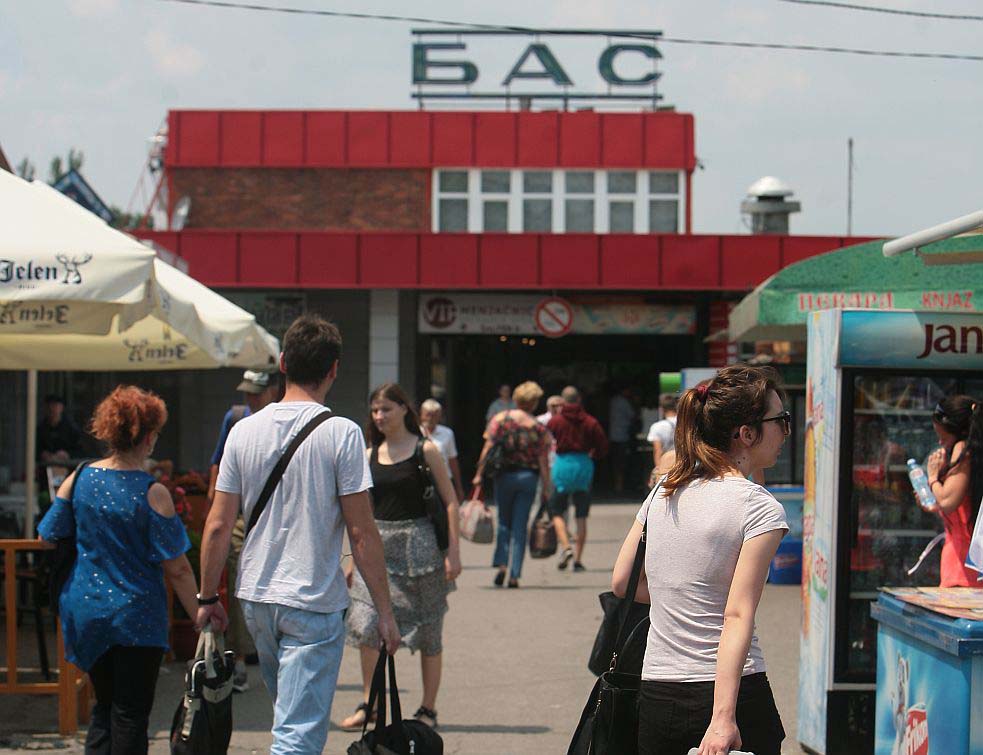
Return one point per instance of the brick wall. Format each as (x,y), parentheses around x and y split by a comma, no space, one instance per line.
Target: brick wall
(305,198)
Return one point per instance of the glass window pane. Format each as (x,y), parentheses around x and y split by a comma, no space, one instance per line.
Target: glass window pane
(537,215)
(663,216)
(495,181)
(453,215)
(662,182)
(622,217)
(537,182)
(496,216)
(621,182)
(579,215)
(453,180)
(580,182)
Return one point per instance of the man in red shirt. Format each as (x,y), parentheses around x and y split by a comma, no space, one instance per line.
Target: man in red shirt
(580,441)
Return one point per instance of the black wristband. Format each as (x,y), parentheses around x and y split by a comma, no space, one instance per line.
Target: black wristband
(207,601)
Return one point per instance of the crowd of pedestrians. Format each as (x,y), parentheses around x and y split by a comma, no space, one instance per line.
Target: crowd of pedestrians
(297,597)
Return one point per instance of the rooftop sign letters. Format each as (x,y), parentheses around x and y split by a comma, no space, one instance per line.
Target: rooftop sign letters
(624,67)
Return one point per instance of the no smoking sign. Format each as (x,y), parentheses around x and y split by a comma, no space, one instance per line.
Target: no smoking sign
(554,317)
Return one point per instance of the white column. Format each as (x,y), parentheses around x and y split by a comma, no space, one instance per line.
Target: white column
(383,337)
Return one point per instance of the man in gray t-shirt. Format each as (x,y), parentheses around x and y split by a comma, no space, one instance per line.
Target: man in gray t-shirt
(290,582)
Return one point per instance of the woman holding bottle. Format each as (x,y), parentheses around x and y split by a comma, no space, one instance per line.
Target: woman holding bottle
(955,476)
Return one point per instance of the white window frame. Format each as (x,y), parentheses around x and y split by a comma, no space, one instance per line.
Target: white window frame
(602,220)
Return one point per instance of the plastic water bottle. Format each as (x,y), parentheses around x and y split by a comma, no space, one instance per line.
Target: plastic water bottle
(919,481)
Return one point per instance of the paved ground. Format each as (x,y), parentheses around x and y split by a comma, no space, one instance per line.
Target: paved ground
(515,676)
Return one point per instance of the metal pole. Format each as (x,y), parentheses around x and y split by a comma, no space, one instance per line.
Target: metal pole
(30,474)
(849,187)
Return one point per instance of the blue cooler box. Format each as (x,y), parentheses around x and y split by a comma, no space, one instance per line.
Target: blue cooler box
(929,681)
(786,566)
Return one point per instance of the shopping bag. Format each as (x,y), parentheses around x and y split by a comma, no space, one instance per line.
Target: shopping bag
(542,535)
(202,723)
(409,737)
(477,523)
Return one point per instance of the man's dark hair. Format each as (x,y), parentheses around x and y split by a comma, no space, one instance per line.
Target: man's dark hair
(311,346)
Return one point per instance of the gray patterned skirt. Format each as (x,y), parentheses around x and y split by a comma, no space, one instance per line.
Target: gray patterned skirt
(417,587)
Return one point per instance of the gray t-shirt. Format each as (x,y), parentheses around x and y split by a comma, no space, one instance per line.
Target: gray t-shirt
(293,556)
(693,541)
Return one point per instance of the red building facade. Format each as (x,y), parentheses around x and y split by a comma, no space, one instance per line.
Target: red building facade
(377,217)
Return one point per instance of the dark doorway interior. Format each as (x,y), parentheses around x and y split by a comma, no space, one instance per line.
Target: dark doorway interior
(471,368)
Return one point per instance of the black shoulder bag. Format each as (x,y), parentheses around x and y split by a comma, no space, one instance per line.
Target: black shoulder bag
(400,737)
(281,466)
(616,612)
(63,558)
(609,722)
(432,502)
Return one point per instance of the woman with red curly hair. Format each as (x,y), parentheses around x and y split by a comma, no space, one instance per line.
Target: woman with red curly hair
(113,606)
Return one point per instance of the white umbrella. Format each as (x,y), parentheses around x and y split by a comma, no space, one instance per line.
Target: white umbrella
(190,327)
(62,269)
(76,294)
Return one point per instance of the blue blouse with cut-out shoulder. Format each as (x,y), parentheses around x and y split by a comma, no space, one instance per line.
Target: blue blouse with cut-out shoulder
(115,593)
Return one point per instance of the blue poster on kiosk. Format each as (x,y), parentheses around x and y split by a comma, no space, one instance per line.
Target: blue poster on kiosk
(929,679)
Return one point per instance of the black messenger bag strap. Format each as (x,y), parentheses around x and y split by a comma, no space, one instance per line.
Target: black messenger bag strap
(281,466)
(633,580)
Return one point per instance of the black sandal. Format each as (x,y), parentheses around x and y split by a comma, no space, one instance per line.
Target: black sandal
(423,713)
(369,718)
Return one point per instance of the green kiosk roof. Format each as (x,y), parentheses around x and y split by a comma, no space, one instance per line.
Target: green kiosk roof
(861,276)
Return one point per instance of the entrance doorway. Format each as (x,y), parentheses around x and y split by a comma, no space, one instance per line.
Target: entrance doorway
(468,369)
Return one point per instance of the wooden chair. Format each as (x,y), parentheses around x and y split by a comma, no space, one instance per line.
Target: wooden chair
(71,687)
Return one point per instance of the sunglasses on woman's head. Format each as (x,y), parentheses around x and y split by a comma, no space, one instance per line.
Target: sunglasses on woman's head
(785,418)
(939,414)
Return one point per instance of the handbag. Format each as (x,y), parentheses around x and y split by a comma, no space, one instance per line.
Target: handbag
(609,722)
(496,461)
(62,559)
(202,723)
(477,520)
(409,737)
(433,504)
(615,611)
(542,535)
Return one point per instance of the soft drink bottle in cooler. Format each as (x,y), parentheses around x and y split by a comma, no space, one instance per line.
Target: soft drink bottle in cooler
(919,481)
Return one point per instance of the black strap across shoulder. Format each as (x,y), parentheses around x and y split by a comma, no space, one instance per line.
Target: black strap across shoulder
(633,580)
(281,466)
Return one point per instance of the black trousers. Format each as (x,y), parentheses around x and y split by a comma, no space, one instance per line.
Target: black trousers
(674,716)
(124,679)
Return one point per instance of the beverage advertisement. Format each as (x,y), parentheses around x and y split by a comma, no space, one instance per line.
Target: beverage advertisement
(818,519)
(921,700)
(918,340)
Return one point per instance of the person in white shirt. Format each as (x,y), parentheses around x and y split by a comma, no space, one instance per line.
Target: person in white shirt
(662,433)
(553,406)
(709,534)
(290,583)
(431,412)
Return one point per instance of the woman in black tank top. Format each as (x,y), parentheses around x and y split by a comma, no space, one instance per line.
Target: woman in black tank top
(397,489)
(420,575)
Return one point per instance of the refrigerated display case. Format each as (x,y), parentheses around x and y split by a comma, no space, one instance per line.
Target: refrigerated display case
(874,378)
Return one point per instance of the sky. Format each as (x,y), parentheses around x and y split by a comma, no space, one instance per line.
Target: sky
(100,76)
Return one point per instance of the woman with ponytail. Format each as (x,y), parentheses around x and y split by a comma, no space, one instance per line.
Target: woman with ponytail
(710,535)
(955,474)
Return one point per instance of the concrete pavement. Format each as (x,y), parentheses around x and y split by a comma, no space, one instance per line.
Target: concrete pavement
(515,675)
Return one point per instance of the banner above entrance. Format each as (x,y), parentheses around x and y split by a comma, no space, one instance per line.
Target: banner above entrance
(516,314)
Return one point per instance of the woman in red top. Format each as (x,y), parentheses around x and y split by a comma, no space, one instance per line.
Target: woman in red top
(955,474)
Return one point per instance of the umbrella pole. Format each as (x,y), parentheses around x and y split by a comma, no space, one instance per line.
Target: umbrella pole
(31,469)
